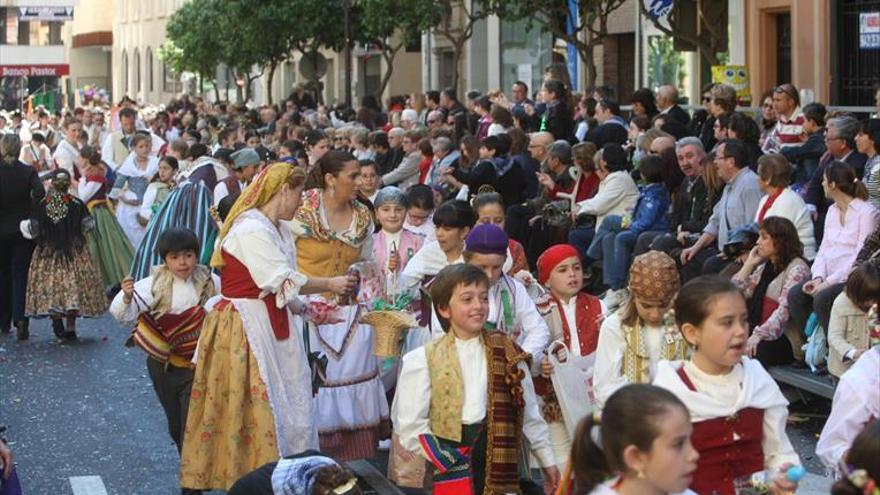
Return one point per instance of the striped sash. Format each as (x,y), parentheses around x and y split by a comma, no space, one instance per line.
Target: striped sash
(170,338)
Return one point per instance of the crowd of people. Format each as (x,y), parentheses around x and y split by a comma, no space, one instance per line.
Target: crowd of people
(537,242)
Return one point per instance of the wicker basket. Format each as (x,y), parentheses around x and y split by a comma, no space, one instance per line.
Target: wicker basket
(387,327)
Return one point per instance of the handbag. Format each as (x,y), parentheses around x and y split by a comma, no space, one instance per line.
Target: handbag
(572,381)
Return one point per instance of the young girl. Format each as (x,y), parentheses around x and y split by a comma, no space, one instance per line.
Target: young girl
(63,281)
(393,246)
(573,318)
(131,184)
(489,208)
(469,397)
(452,222)
(642,442)
(641,333)
(738,412)
(419,214)
(158,189)
(110,248)
(862,471)
(849,327)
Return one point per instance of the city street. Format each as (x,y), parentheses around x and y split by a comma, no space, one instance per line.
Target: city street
(84,417)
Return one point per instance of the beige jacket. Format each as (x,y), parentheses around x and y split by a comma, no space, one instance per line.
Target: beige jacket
(847,330)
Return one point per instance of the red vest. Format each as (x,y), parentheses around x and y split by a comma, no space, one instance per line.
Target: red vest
(236,283)
(729,448)
(232,185)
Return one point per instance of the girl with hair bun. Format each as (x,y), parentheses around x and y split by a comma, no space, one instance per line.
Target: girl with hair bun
(132,179)
(737,409)
(641,444)
(110,248)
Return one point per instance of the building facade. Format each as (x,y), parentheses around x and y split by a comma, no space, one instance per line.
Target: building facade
(32,54)
(89,44)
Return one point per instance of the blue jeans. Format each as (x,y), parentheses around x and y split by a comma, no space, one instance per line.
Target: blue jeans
(580,238)
(610,225)
(620,258)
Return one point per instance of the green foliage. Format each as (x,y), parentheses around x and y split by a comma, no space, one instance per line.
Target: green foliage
(382,19)
(193,41)
(665,64)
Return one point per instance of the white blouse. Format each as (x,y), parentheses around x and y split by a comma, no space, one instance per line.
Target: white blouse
(183,297)
(608,375)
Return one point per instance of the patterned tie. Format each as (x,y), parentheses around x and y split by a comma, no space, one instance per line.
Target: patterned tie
(507,310)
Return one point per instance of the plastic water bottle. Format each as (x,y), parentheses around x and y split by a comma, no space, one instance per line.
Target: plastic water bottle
(759,483)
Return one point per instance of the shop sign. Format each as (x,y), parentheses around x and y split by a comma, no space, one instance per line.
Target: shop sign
(869,30)
(56,70)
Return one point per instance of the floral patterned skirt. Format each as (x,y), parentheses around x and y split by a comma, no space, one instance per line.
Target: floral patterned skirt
(230,429)
(60,286)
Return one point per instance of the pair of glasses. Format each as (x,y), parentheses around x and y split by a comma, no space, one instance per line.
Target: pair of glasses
(788,89)
(707,99)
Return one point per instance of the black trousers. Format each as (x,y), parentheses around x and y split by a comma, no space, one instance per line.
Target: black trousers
(15,261)
(173,386)
(775,352)
(800,305)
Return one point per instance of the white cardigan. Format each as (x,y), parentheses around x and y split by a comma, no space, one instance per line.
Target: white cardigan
(790,205)
(617,195)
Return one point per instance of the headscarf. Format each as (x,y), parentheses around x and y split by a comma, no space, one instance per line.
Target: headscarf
(297,476)
(58,198)
(654,276)
(263,188)
(390,195)
(487,238)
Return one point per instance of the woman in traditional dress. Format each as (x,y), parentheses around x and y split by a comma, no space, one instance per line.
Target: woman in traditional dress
(251,400)
(110,248)
(132,179)
(333,231)
(63,281)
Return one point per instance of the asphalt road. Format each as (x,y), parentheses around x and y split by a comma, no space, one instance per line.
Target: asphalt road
(86,410)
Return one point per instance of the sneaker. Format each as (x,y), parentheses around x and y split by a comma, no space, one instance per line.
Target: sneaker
(614,298)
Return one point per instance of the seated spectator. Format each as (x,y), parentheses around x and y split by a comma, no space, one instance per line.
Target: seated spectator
(586,118)
(557,186)
(445,156)
(502,120)
(587,183)
(407,172)
(617,194)
(557,118)
(616,236)
(698,121)
(850,220)
(849,326)
(667,103)
(736,207)
(868,143)
(742,127)
(768,116)
(805,157)
(520,157)
(519,215)
(773,267)
(789,119)
(774,173)
(612,127)
(482,107)
(427,151)
(723,101)
(635,143)
(420,211)
(698,193)
(719,128)
(643,103)
(840,140)
(476,167)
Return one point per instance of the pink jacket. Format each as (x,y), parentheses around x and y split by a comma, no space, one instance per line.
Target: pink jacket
(410,243)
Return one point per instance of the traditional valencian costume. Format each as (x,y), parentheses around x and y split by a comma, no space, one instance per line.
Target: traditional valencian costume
(629,353)
(63,280)
(111,249)
(252,392)
(467,405)
(129,189)
(352,407)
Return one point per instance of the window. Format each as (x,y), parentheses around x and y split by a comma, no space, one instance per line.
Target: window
(124,73)
(170,82)
(149,73)
(137,71)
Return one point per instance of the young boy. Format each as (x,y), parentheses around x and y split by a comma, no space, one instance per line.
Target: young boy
(466,408)
(420,199)
(511,310)
(574,318)
(805,157)
(168,310)
(369,187)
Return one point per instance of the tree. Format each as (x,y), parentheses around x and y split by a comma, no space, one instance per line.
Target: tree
(455,20)
(192,40)
(589,29)
(710,37)
(393,24)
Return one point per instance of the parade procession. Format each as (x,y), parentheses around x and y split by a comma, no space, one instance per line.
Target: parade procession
(463,247)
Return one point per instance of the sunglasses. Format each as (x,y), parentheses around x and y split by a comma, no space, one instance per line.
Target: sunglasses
(788,89)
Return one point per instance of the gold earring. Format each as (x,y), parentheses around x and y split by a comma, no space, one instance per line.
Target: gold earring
(641,474)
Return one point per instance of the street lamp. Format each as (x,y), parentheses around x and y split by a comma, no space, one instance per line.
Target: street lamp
(346,8)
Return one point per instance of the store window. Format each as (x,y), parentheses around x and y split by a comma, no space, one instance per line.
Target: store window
(524,54)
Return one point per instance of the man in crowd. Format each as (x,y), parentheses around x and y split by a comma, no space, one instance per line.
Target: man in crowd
(737,207)
(789,119)
(667,103)
(117,145)
(612,127)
